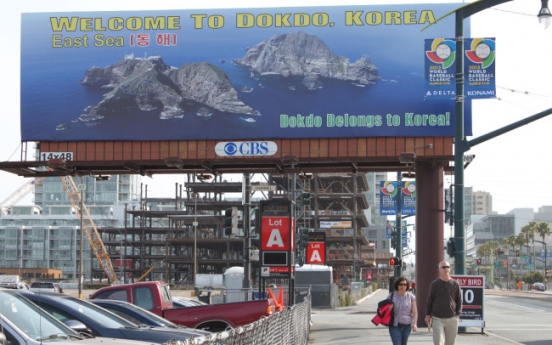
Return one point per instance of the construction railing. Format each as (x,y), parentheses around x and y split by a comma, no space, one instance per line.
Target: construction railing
(290,326)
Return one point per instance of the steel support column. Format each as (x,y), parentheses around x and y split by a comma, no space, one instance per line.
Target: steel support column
(429,229)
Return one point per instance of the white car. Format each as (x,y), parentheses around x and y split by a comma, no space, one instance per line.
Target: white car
(23,286)
(45,287)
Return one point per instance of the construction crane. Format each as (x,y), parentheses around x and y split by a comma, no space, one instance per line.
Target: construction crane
(89,228)
(19,194)
(88,225)
(144,275)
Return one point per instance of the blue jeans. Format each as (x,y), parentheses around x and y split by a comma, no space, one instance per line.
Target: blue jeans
(400,333)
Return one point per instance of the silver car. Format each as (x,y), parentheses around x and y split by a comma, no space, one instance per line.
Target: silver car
(538,287)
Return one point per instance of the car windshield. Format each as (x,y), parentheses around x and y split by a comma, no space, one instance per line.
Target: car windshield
(150,315)
(106,318)
(31,320)
(40,285)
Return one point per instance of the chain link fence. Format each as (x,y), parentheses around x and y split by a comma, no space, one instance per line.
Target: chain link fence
(242,295)
(288,327)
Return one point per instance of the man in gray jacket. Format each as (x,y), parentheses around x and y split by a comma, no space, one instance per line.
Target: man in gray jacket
(443,307)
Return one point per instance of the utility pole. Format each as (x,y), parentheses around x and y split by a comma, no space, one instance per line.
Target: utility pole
(82,188)
(398,223)
(246,201)
(121,261)
(356,253)
(195,224)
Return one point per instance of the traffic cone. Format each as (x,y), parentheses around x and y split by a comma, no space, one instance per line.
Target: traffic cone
(277,305)
(281,299)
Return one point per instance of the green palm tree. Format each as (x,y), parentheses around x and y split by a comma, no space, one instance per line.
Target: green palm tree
(529,232)
(488,248)
(520,240)
(483,249)
(510,241)
(543,229)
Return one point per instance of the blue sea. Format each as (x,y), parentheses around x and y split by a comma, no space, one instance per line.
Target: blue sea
(52,96)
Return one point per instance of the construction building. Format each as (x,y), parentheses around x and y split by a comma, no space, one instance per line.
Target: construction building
(159,235)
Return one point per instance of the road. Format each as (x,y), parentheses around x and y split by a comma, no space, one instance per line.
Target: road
(510,318)
(525,317)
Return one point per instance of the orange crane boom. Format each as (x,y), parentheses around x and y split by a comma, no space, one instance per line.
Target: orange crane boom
(89,228)
(144,275)
(19,194)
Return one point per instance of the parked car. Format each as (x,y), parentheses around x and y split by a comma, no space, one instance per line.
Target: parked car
(45,287)
(538,287)
(182,302)
(156,297)
(100,322)
(135,314)
(23,286)
(22,322)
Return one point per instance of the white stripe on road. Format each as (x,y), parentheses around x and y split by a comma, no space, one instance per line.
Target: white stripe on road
(516,305)
(505,339)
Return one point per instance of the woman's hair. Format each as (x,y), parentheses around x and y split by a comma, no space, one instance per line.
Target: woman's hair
(400,280)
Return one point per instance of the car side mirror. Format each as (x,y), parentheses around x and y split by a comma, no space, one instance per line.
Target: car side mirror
(77,326)
(3,339)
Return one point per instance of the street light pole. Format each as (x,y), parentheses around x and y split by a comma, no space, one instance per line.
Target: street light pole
(460,143)
(398,223)
(82,188)
(247,231)
(195,239)
(545,17)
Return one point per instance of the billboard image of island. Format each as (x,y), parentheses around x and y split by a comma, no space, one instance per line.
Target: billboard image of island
(311,72)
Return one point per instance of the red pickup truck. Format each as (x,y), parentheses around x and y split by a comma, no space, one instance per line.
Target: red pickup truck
(155,296)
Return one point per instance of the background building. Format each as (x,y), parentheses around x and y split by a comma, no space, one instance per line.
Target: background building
(47,235)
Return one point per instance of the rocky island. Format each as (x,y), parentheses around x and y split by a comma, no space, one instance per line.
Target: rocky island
(307,56)
(148,84)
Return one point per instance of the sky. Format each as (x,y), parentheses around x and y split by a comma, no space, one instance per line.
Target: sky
(513,167)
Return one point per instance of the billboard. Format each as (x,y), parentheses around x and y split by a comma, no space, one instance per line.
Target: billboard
(220,74)
(347,224)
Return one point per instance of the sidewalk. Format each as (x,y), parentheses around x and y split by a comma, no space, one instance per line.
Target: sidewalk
(352,326)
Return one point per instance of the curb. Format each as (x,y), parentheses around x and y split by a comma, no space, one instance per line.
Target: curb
(366,297)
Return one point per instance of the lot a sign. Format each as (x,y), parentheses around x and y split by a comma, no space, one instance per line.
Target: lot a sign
(276,234)
(316,248)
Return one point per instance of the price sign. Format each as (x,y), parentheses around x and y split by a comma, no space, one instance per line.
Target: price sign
(472,300)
